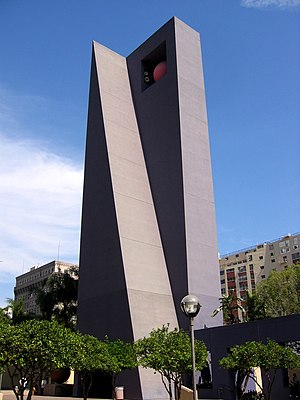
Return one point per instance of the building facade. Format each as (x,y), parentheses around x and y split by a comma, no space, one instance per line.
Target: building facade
(148,233)
(242,270)
(33,279)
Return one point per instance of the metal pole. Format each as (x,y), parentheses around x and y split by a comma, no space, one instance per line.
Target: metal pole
(195,396)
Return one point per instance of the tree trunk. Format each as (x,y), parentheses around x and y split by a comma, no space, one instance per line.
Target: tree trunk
(169,387)
(30,391)
(170,390)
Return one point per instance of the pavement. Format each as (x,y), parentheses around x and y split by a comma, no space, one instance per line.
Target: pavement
(9,395)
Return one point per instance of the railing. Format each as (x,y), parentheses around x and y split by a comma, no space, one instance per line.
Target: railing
(259,244)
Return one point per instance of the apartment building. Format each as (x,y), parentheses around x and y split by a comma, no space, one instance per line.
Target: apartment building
(34,278)
(242,270)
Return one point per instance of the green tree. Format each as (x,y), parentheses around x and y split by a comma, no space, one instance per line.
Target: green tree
(268,357)
(33,349)
(15,311)
(57,298)
(4,327)
(169,354)
(230,305)
(4,317)
(89,355)
(254,308)
(280,292)
(122,357)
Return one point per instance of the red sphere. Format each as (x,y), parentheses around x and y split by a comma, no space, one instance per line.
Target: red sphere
(60,375)
(160,71)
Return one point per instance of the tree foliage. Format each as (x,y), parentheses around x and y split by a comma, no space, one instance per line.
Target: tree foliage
(33,349)
(280,292)
(4,327)
(89,355)
(254,308)
(15,311)
(4,317)
(230,305)
(269,357)
(57,299)
(169,354)
(122,357)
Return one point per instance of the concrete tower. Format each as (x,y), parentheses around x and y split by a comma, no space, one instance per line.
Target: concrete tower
(148,224)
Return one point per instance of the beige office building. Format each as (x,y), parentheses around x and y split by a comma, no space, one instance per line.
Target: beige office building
(242,270)
(34,278)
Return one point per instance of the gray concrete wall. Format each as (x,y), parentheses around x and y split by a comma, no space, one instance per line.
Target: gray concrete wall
(199,206)
(172,120)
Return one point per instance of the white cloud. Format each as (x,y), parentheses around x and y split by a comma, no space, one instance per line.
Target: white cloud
(40,204)
(283,4)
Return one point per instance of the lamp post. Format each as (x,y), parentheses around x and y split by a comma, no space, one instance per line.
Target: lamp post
(190,305)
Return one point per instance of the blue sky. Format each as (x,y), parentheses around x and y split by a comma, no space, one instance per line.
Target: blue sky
(251,57)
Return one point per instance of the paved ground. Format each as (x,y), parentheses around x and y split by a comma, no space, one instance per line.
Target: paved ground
(9,395)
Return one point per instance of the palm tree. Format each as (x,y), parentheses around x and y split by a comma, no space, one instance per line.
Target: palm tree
(230,306)
(15,311)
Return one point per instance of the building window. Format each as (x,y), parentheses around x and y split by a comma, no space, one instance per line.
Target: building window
(273,260)
(282,251)
(222,281)
(231,279)
(222,272)
(243,286)
(261,257)
(263,276)
(251,267)
(250,258)
(296,257)
(223,291)
(296,246)
(271,254)
(262,267)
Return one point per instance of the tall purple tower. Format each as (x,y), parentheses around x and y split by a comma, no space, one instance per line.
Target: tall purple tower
(148,233)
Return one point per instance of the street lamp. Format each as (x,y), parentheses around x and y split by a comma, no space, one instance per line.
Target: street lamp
(190,305)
